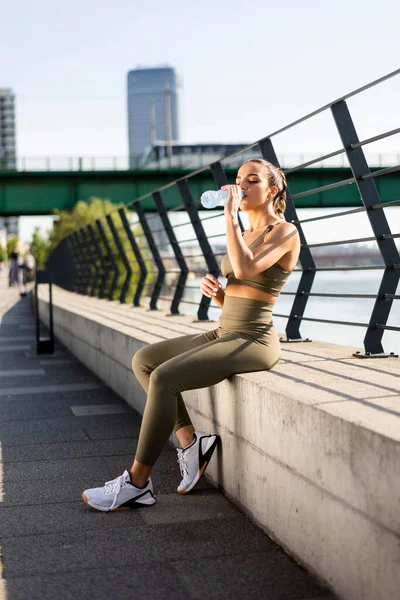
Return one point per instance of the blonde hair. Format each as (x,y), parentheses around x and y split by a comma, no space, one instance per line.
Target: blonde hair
(276,177)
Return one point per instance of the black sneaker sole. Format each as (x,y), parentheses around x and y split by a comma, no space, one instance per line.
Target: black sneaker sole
(129,505)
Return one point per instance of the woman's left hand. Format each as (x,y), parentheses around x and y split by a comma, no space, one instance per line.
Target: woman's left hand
(235,197)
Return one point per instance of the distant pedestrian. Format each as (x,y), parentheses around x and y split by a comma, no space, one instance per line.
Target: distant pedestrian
(28,268)
(14,274)
(257,266)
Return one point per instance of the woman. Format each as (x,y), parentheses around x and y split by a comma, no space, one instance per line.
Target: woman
(257,266)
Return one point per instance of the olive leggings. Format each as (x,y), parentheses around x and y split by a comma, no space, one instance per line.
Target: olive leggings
(166,369)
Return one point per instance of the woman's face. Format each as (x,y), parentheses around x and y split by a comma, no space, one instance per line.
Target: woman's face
(253,182)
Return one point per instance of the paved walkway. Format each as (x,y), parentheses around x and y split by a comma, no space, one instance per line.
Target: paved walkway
(62,430)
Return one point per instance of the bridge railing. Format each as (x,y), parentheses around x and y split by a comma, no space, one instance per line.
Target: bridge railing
(180,161)
(131,254)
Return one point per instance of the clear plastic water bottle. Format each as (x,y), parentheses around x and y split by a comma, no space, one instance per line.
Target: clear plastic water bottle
(211,198)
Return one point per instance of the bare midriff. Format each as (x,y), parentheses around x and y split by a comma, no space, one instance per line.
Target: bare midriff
(245,291)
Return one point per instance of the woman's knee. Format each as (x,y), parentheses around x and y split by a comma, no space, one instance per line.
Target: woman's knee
(141,361)
(164,377)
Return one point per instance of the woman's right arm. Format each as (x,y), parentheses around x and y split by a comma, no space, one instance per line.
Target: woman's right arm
(211,287)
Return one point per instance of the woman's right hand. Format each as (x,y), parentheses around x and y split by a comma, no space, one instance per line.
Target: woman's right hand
(210,286)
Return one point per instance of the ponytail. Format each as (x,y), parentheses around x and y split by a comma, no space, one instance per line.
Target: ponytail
(279,202)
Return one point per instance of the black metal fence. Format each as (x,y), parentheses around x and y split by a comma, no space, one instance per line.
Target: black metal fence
(132,254)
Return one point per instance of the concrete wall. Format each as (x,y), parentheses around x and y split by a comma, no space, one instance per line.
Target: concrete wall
(310,450)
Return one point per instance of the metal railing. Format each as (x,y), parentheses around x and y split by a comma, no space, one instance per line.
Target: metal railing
(183,161)
(131,254)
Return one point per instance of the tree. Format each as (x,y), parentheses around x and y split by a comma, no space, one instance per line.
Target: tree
(82,214)
(85,213)
(40,248)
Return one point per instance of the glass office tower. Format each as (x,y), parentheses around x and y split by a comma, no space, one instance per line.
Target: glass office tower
(153,110)
(8,159)
(7,129)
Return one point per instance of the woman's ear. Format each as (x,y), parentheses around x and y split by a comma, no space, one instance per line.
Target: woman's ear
(273,190)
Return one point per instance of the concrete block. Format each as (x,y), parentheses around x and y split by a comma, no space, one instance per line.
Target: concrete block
(310,450)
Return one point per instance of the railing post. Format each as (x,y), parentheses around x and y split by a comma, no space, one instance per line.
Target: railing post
(110,258)
(94,274)
(156,255)
(123,256)
(138,256)
(61,264)
(71,249)
(208,254)
(380,227)
(78,257)
(104,269)
(44,345)
(176,250)
(305,258)
(86,262)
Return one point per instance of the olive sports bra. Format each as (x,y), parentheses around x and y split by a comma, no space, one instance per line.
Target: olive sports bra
(270,281)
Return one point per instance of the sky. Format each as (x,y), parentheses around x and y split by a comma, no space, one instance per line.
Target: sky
(246,69)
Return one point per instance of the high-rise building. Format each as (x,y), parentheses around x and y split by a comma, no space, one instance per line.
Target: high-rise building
(7,129)
(8,224)
(153,109)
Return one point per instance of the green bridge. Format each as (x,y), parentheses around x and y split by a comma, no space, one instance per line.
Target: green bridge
(41,192)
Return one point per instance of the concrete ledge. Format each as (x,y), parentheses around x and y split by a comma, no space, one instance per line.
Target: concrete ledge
(311,449)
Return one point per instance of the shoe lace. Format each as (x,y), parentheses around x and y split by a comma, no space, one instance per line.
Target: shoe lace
(114,486)
(182,463)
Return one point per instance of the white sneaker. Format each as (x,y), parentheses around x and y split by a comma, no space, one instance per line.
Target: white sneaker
(194,459)
(119,494)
